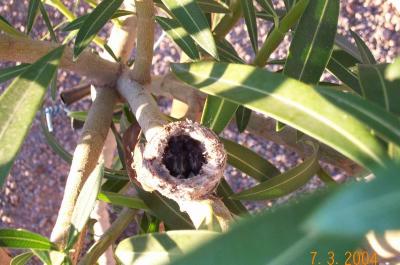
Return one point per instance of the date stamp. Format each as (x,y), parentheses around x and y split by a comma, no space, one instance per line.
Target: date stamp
(358,257)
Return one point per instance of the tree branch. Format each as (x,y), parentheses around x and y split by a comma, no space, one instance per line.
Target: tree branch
(25,50)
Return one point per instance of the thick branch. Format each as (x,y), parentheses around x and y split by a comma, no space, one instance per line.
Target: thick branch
(26,50)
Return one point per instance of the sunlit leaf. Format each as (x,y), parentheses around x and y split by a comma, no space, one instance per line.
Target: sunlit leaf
(160,248)
(21,259)
(18,106)
(217,113)
(23,239)
(11,72)
(121,200)
(312,43)
(94,23)
(190,16)
(338,119)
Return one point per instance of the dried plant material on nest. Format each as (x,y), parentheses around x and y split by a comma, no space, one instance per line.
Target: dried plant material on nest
(183,161)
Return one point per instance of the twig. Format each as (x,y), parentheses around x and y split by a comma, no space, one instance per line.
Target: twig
(108,238)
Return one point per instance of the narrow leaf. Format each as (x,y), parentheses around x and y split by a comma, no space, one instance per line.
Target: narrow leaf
(369,206)
(23,239)
(78,22)
(122,200)
(93,24)
(6,27)
(211,6)
(248,161)
(376,88)
(268,6)
(290,244)
(33,9)
(47,22)
(160,248)
(11,72)
(18,106)
(249,13)
(313,41)
(224,191)
(217,113)
(190,16)
(278,33)
(366,55)
(340,65)
(180,36)
(333,117)
(242,118)
(85,204)
(283,184)
(227,53)
(21,259)
(343,43)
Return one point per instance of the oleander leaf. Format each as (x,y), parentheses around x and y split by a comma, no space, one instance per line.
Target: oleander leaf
(180,36)
(19,104)
(21,259)
(47,21)
(160,248)
(248,161)
(284,183)
(227,53)
(122,200)
(366,55)
(344,44)
(23,239)
(6,27)
(225,191)
(33,9)
(217,113)
(249,13)
(378,89)
(78,22)
(94,23)
(290,244)
(341,65)
(11,72)
(190,16)
(278,32)
(207,6)
(242,118)
(338,119)
(85,204)
(313,41)
(369,206)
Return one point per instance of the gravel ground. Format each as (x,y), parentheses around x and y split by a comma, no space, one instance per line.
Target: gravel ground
(32,194)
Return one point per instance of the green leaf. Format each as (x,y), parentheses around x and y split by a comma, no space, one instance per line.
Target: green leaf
(166,209)
(47,21)
(267,6)
(227,53)
(11,72)
(340,65)
(248,161)
(272,238)
(211,6)
(190,16)
(122,200)
(18,106)
(367,206)
(376,88)
(224,191)
(249,13)
(366,55)
(343,43)
(284,183)
(23,239)
(393,70)
(160,248)
(313,41)
(180,36)
(242,118)
(330,116)
(109,50)
(6,27)
(21,259)
(78,22)
(94,23)
(85,204)
(217,113)
(43,256)
(278,33)
(33,9)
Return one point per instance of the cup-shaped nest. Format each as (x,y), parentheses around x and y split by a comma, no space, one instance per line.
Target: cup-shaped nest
(184,161)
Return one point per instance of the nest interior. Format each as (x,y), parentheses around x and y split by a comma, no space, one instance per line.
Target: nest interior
(183,156)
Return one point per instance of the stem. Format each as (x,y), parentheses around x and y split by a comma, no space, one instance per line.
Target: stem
(26,50)
(229,20)
(145,40)
(108,238)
